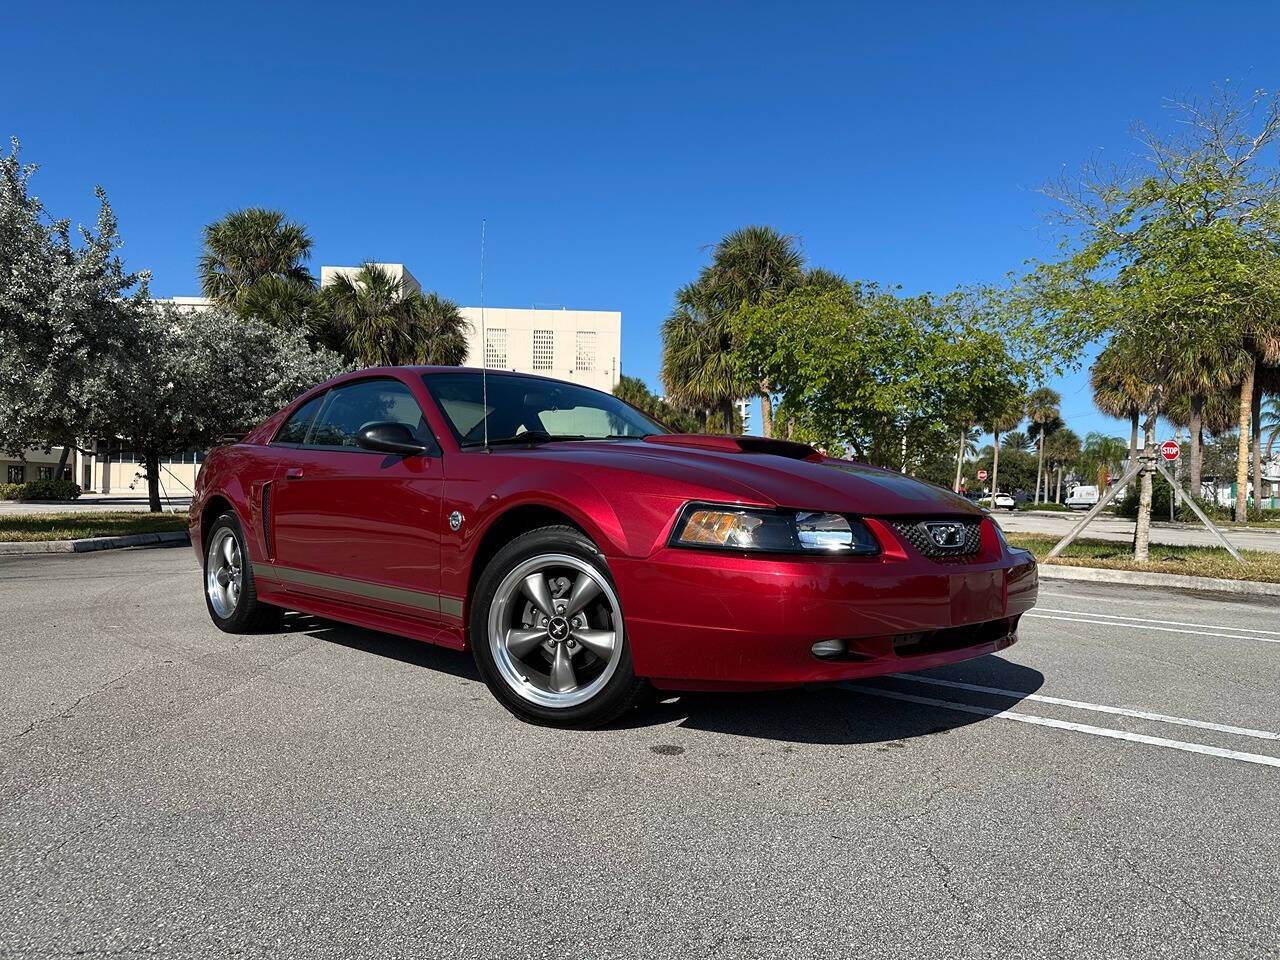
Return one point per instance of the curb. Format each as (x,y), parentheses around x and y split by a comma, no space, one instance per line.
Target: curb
(95,543)
(1176,581)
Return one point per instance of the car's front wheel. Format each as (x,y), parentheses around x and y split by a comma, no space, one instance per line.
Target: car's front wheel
(548,635)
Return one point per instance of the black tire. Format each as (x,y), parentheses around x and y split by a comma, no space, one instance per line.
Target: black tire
(249,614)
(623,689)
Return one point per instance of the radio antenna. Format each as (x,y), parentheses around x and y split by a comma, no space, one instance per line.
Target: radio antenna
(484,347)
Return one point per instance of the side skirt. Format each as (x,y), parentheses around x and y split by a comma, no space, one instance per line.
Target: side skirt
(361,616)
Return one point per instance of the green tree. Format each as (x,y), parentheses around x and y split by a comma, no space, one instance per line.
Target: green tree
(254,265)
(65,313)
(1017,440)
(188,378)
(374,322)
(1178,254)
(633,390)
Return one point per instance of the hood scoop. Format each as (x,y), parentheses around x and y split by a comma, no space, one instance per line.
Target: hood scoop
(725,444)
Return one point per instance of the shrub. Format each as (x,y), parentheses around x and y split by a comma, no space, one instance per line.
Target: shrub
(40,490)
(1052,507)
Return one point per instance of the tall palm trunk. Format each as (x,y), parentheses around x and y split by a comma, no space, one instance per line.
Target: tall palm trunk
(1197,444)
(1142,530)
(727,410)
(1256,437)
(766,409)
(1133,436)
(1040,464)
(995,466)
(964,435)
(1242,449)
(1057,494)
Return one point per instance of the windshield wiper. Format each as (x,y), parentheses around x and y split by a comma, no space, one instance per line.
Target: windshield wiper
(519,439)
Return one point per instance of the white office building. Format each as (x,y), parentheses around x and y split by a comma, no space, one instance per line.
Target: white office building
(581,346)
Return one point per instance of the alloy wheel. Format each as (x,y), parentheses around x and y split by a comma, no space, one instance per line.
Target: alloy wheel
(555,630)
(224,573)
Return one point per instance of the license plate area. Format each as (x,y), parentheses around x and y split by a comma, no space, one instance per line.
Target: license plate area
(977,597)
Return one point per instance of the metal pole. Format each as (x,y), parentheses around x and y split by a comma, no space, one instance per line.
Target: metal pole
(1195,508)
(1097,508)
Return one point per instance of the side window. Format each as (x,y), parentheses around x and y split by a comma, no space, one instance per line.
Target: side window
(295,428)
(350,407)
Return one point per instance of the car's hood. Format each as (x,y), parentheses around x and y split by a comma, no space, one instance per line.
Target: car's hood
(769,471)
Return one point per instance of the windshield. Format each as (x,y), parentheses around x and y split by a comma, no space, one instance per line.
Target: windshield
(532,408)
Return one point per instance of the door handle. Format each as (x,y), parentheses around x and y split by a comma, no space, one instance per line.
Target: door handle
(293,473)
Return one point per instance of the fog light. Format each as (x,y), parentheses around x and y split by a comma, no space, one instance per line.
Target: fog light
(830,648)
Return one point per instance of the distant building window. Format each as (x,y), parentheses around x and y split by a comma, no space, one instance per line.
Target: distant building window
(544,347)
(585,354)
(17,473)
(495,349)
(44,473)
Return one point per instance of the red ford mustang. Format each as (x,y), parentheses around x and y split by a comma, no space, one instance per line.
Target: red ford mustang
(583,552)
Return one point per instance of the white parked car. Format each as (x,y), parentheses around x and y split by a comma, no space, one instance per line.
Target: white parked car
(1082,497)
(1003,502)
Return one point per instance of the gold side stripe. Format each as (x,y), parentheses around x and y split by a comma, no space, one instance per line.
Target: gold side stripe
(421,599)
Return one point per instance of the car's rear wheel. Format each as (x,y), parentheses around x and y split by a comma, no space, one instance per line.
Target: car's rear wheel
(548,635)
(230,591)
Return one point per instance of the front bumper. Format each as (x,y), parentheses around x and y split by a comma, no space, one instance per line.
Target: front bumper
(704,620)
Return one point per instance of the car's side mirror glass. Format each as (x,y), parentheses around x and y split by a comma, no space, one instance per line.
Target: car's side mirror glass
(388,436)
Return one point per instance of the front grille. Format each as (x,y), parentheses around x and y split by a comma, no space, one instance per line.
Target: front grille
(916,533)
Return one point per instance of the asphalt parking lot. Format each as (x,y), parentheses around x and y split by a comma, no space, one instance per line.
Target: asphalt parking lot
(1109,787)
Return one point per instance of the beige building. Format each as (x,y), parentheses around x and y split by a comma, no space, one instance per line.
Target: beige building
(581,346)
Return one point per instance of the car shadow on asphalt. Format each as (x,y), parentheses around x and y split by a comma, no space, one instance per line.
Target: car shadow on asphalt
(414,652)
(843,714)
(825,714)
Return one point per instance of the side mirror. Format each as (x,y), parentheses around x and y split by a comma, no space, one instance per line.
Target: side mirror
(388,436)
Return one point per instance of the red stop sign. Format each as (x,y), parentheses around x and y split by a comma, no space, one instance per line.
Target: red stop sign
(1170,450)
(982,474)
(1108,476)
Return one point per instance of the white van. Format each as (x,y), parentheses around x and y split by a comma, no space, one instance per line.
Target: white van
(1082,498)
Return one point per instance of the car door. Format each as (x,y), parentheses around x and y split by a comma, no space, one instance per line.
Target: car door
(354,525)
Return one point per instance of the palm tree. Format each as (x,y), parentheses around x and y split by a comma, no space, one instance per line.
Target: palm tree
(1270,421)
(1121,389)
(1017,440)
(699,371)
(755,266)
(1263,343)
(998,424)
(1062,448)
(1042,407)
(1100,456)
(1202,367)
(376,323)
(251,247)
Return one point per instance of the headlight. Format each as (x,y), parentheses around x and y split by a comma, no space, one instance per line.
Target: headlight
(723,527)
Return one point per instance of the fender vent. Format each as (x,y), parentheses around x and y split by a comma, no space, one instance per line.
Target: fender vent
(266,519)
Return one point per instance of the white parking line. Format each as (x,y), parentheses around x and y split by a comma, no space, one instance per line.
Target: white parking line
(1168,623)
(1097,621)
(1095,707)
(1066,725)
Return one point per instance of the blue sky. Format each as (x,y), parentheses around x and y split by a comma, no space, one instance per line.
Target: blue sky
(606,144)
